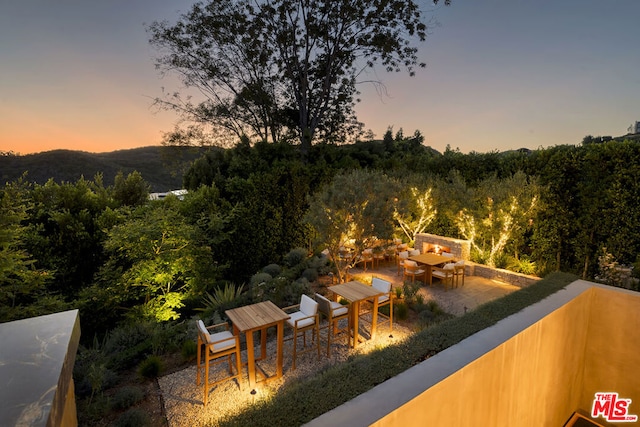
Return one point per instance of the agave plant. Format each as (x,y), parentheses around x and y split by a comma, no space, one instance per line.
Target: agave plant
(223,298)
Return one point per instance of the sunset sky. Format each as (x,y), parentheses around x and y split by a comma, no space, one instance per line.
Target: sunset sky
(501,74)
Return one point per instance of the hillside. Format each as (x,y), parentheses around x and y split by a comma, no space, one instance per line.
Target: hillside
(161,167)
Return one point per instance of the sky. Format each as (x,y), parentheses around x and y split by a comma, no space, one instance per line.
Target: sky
(500,75)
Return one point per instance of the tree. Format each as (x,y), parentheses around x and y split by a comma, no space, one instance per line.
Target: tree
(270,68)
(355,210)
(420,212)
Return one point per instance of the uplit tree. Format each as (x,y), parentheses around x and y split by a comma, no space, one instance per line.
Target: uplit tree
(355,210)
(419,213)
(268,68)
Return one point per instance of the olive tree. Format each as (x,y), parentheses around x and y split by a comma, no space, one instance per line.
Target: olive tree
(356,209)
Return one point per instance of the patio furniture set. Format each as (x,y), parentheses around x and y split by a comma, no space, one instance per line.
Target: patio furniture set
(217,347)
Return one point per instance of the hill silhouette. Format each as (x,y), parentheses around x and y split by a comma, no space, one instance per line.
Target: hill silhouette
(161,167)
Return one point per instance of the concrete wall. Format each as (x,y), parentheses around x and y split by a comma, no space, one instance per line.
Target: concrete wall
(534,368)
(515,279)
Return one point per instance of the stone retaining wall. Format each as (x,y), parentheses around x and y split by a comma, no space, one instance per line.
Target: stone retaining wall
(516,279)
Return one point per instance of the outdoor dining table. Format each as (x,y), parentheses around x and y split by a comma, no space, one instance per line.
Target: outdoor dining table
(430,260)
(356,292)
(258,317)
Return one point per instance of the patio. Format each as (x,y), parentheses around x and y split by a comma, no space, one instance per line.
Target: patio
(183,399)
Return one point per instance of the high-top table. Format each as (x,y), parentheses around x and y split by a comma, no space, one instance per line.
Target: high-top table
(259,317)
(430,260)
(356,292)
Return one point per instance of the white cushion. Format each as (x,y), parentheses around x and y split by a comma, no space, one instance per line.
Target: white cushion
(410,263)
(203,330)
(383,298)
(459,263)
(308,306)
(222,341)
(381,285)
(449,266)
(338,309)
(403,254)
(447,254)
(302,323)
(414,252)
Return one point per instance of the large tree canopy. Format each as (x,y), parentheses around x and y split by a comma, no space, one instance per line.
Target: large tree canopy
(283,68)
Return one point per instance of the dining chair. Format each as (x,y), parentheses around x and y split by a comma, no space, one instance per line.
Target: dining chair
(413,270)
(402,257)
(444,273)
(379,256)
(386,298)
(304,319)
(334,312)
(414,252)
(366,257)
(459,271)
(216,346)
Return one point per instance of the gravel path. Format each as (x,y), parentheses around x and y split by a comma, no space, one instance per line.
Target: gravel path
(183,399)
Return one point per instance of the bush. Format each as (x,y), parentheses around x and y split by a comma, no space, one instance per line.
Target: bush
(150,368)
(295,257)
(133,418)
(400,311)
(272,270)
(261,277)
(311,274)
(126,397)
(189,350)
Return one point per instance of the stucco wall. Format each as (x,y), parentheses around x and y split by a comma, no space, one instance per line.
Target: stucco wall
(533,368)
(612,355)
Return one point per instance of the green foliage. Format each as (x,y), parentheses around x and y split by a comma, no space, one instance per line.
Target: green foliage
(523,265)
(130,191)
(400,311)
(223,298)
(126,397)
(272,270)
(261,277)
(151,367)
(410,290)
(133,417)
(311,274)
(189,350)
(294,257)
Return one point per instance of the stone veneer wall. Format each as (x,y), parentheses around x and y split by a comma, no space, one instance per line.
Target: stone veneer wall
(460,249)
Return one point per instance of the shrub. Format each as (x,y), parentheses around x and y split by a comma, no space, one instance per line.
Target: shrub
(133,418)
(523,265)
(261,277)
(410,291)
(150,368)
(272,270)
(311,274)
(223,298)
(189,350)
(400,311)
(126,397)
(295,257)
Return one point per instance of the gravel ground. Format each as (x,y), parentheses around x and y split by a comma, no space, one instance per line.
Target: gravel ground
(183,399)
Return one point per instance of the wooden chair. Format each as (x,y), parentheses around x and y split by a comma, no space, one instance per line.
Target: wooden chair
(379,256)
(216,346)
(402,257)
(445,274)
(303,320)
(366,257)
(334,312)
(459,271)
(385,299)
(413,270)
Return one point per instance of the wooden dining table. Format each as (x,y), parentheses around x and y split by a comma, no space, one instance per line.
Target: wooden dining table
(430,260)
(356,292)
(259,317)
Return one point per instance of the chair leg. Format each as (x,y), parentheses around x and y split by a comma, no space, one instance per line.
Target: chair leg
(295,340)
(390,313)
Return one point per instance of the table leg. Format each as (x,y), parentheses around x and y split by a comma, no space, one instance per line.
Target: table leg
(263,344)
(279,357)
(356,328)
(429,276)
(374,318)
(251,359)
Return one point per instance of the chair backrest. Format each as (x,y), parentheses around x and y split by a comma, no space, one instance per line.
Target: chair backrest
(409,263)
(202,330)
(403,254)
(324,305)
(308,306)
(381,285)
(450,266)
(413,252)
(447,254)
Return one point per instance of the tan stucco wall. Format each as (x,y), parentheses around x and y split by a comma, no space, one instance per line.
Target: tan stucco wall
(531,379)
(612,356)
